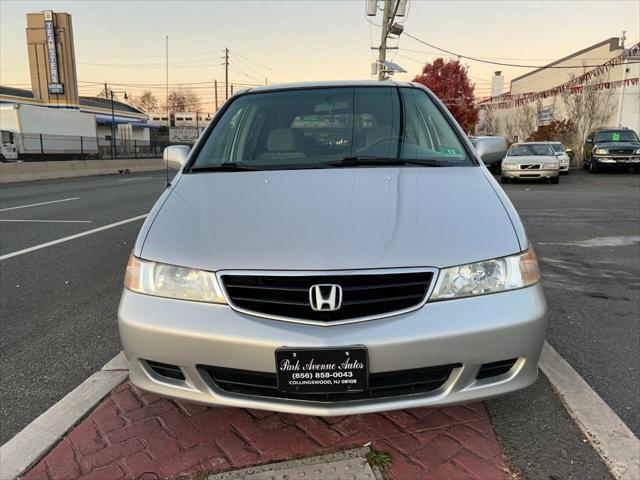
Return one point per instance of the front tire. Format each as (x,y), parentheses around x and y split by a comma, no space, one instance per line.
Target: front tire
(554,180)
(504,180)
(593,168)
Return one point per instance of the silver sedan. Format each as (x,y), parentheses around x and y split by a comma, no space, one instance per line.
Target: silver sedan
(531,161)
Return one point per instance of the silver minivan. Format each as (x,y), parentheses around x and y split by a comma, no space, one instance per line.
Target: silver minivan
(330,249)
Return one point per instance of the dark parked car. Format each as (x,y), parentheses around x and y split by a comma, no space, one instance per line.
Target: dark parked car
(615,147)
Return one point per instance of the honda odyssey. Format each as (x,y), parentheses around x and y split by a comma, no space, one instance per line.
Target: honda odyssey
(330,249)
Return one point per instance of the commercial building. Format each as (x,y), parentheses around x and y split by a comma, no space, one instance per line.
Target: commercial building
(54,82)
(602,78)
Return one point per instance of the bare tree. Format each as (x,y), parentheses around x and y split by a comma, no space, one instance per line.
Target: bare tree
(511,127)
(526,121)
(183,100)
(147,102)
(587,109)
(106,93)
(488,124)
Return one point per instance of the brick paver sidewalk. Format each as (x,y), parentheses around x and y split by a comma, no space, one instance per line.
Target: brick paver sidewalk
(133,435)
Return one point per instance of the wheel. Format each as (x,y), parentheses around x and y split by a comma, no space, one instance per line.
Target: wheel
(566,172)
(585,166)
(554,180)
(593,168)
(504,180)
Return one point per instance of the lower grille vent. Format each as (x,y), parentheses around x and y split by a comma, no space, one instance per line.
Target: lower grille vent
(494,369)
(386,384)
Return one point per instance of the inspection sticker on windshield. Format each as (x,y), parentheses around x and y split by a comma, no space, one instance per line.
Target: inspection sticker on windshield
(615,136)
(322,370)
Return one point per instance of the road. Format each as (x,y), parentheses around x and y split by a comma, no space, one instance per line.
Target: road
(58,303)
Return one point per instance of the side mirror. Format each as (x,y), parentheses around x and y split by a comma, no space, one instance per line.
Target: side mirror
(491,149)
(176,155)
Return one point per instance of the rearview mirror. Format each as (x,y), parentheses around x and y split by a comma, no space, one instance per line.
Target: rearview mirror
(491,149)
(176,155)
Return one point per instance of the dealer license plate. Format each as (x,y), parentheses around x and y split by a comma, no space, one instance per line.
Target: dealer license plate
(322,370)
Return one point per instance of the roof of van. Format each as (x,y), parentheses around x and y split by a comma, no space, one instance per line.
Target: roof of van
(328,84)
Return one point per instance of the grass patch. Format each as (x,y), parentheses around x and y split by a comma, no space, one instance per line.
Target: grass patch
(379,459)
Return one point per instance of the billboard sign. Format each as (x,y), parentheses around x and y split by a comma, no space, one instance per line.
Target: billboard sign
(52,55)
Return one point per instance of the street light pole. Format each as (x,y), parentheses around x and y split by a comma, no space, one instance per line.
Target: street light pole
(226,73)
(113,124)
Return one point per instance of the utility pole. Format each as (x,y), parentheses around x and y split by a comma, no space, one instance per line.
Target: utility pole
(215,86)
(226,73)
(382,55)
(390,11)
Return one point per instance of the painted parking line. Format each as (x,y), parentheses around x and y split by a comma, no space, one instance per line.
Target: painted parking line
(72,237)
(37,204)
(135,179)
(608,434)
(45,221)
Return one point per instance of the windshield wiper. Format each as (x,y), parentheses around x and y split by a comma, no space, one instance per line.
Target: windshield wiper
(367,161)
(223,167)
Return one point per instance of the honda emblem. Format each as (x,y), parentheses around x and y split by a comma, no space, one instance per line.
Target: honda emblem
(325,298)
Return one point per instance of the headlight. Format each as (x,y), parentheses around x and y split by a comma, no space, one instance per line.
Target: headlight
(601,151)
(490,276)
(162,280)
(552,166)
(638,151)
(509,166)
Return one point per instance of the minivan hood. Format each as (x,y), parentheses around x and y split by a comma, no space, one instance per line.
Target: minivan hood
(329,219)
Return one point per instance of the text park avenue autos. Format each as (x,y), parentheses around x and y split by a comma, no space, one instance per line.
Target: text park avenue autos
(330,249)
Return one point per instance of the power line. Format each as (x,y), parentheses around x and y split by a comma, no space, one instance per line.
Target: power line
(494,58)
(475,59)
(262,65)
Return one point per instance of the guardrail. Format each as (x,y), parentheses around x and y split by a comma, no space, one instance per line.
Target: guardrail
(29,171)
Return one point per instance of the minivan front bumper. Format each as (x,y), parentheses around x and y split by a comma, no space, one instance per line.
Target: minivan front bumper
(468,333)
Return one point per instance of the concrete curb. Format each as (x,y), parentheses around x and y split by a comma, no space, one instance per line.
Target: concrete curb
(607,433)
(37,438)
(29,171)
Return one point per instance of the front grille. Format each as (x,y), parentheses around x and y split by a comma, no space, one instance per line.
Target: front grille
(529,167)
(363,295)
(621,151)
(386,384)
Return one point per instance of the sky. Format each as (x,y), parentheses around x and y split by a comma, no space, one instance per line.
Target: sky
(123,42)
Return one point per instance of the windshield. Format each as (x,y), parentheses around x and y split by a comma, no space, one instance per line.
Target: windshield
(319,127)
(616,136)
(526,150)
(557,147)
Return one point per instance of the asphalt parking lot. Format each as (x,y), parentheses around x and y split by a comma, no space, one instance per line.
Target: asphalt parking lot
(58,302)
